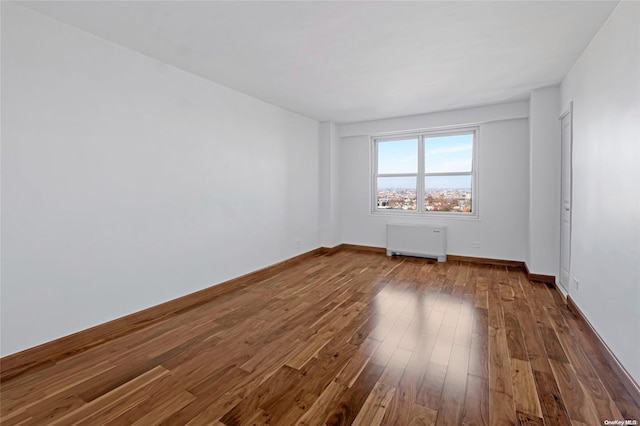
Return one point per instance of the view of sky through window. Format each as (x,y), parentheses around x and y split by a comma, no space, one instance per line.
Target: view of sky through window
(448,154)
(398,157)
(442,154)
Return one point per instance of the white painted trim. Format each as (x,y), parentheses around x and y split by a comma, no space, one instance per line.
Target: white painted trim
(567,111)
(442,120)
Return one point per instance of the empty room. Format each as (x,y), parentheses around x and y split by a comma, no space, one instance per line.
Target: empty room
(320,213)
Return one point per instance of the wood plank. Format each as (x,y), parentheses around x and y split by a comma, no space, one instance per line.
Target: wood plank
(290,405)
(482,293)
(422,416)
(156,416)
(19,417)
(501,409)
(515,339)
(444,344)
(552,345)
(612,381)
(285,378)
(54,398)
(479,356)
(628,411)
(534,344)
(328,398)
(464,327)
(391,339)
(430,389)
(345,411)
(524,388)
(146,399)
(374,407)
(529,420)
(476,402)
(395,368)
(103,409)
(203,411)
(551,402)
(499,366)
(578,407)
(357,363)
(51,409)
(604,407)
(576,355)
(406,394)
(455,384)
(309,348)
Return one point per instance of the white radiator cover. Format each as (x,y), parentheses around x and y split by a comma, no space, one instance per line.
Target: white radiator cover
(417,240)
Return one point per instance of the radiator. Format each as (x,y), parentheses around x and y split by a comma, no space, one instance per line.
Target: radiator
(417,240)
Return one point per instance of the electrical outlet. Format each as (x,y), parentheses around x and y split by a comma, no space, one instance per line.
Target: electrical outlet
(475,244)
(576,283)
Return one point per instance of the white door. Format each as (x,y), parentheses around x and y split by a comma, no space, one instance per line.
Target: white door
(565,224)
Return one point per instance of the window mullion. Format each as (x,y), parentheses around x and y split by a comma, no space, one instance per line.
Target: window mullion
(420,182)
(396,174)
(374,180)
(449,174)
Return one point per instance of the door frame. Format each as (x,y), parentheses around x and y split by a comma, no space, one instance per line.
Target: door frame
(567,112)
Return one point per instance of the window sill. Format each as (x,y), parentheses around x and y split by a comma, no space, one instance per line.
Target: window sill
(430,216)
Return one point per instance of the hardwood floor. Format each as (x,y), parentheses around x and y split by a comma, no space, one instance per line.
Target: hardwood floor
(348,338)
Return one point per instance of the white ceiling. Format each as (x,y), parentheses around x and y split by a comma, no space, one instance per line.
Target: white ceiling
(352,61)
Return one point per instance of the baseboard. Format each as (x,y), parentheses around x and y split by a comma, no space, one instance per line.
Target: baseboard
(629,383)
(487,261)
(543,278)
(550,279)
(331,250)
(357,247)
(353,247)
(46,353)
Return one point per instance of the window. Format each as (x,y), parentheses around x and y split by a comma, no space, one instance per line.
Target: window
(431,173)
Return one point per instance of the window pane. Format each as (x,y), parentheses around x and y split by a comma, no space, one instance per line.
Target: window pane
(447,193)
(448,154)
(397,193)
(398,156)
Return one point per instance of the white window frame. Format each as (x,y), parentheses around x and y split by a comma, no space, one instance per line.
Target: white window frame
(420,176)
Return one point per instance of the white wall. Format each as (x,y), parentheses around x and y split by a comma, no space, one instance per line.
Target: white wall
(604,85)
(502,227)
(544,182)
(330,220)
(127,182)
